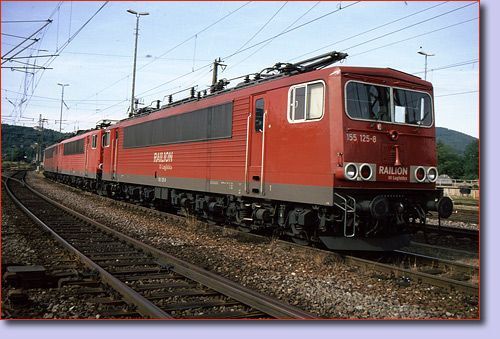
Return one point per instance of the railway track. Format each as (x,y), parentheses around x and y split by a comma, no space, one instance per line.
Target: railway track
(448,237)
(462,214)
(152,283)
(411,267)
(408,267)
(456,232)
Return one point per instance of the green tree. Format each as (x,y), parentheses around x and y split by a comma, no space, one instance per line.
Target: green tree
(448,161)
(471,161)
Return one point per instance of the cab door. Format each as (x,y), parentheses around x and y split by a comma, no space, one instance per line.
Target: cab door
(114,153)
(86,149)
(256,145)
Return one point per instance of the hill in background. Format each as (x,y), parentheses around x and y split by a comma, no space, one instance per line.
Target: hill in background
(20,143)
(458,141)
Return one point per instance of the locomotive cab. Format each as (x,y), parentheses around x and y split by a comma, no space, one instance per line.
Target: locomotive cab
(386,155)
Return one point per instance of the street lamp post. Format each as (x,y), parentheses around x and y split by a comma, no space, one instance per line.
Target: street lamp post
(426,55)
(132,104)
(62,100)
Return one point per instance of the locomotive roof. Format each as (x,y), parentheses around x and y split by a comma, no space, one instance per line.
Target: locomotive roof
(384,72)
(315,65)
(345,70)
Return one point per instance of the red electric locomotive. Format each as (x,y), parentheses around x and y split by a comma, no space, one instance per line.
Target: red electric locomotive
(340,156)
(77,160)
(50,159)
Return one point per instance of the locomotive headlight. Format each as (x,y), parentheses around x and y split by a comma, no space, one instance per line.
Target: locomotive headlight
(420,174)
(432,174)
(365,172)
(351,171)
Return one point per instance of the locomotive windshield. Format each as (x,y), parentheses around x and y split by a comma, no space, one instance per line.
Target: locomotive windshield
(380,103)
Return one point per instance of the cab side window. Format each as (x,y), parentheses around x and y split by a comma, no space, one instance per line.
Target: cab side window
(306,102)
(105,139)
(259,115)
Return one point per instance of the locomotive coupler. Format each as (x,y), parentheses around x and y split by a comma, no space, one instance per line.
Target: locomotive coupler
(444,206)
(378,207)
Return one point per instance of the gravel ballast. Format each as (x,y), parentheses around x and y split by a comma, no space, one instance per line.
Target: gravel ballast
(23,242)
(318,284)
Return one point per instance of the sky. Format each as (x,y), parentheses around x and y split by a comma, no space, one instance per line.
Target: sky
(90,47)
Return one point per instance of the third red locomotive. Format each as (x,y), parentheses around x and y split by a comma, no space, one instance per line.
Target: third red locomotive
(340,156)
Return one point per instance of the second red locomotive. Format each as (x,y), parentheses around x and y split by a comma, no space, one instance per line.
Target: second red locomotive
(341,156)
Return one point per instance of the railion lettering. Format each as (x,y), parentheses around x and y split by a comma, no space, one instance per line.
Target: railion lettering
(163,157)
(389,170)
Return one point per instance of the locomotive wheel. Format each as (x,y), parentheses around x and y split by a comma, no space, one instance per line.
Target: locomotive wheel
(242,219)
(299,236)
(420,220)
(208,218)
(244,228)
(301,241)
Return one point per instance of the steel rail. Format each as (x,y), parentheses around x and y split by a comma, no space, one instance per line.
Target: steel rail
(144,307)
(451,266)
(463,215)
(401,272)
(419,277)
(248,297)
(455,232)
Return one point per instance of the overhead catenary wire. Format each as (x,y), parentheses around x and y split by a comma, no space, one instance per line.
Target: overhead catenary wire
(29,76)
(369,31)
(407,27)
(263,26)
(21,21)
(28,69)
(254,45)
(458,93)
(459,64)
(15,36)
(267,43)
(176,46)
(329,13)
(313,20)
(71,38)
(413,37)
(291,29)
(60,49)
(4,57)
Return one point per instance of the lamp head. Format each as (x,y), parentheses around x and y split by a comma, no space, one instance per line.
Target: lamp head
(420,51)
(138,14)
